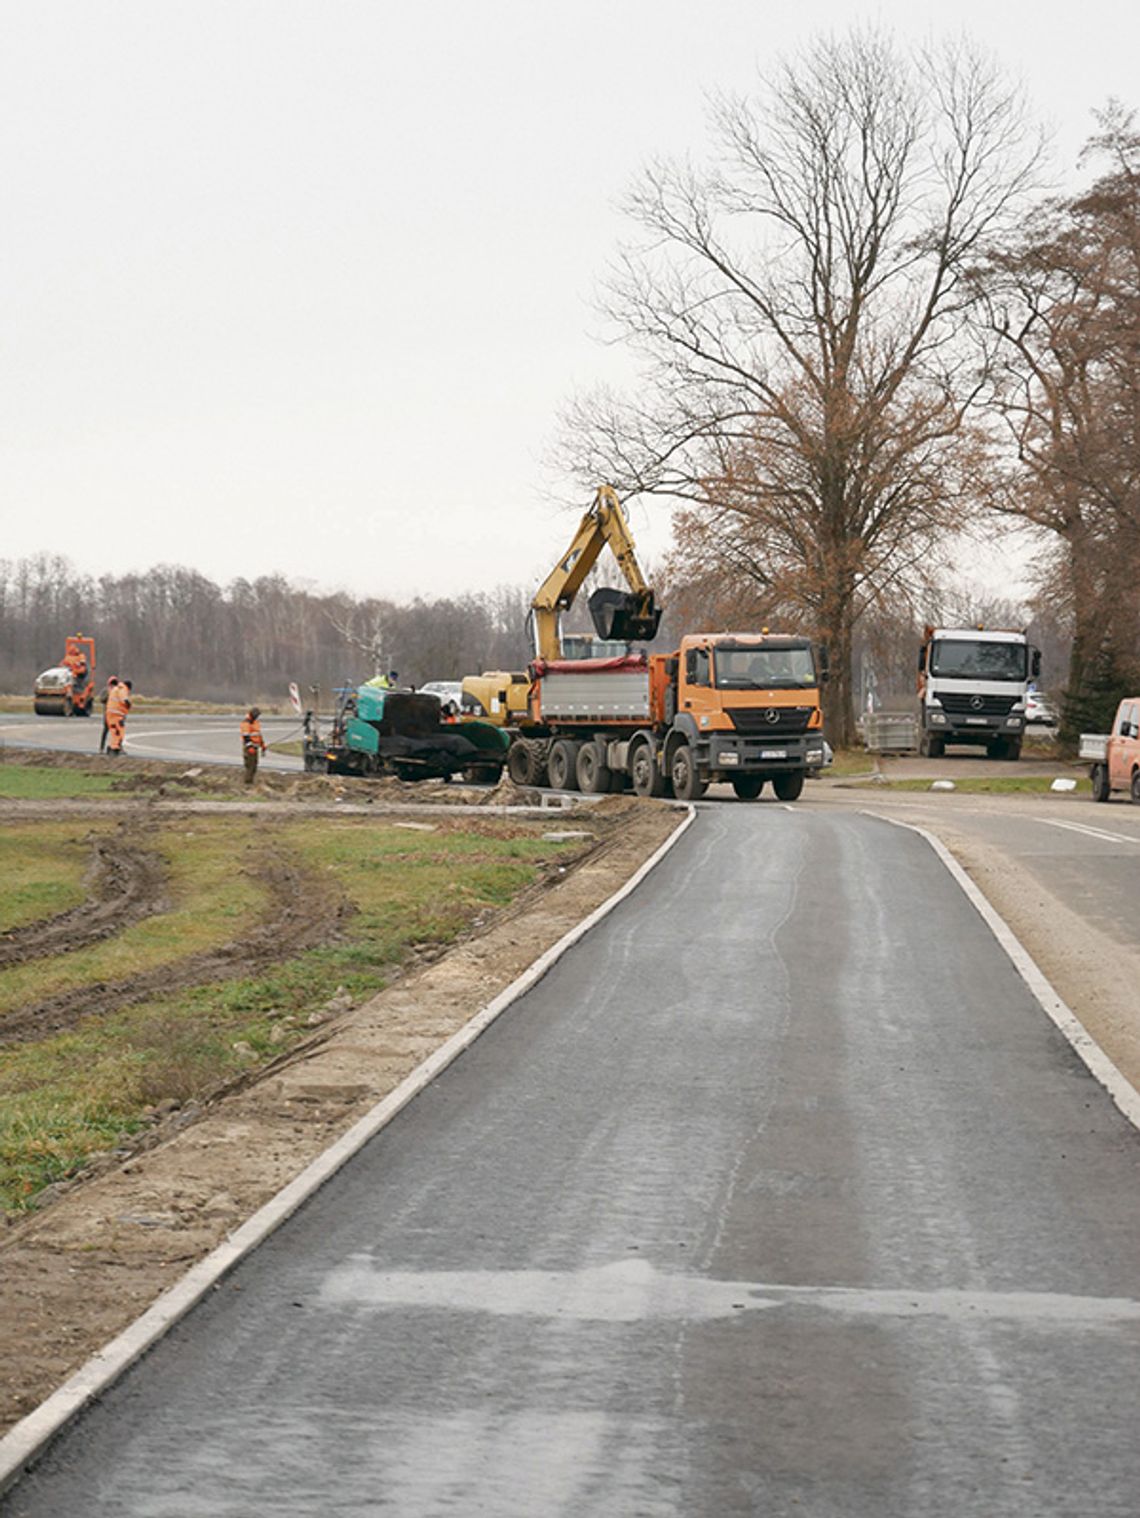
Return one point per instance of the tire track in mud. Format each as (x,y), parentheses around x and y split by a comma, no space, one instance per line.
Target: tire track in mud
(303,914)
(125,883)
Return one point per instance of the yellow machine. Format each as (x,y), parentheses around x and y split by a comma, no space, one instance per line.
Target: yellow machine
(620,616)
(496,696)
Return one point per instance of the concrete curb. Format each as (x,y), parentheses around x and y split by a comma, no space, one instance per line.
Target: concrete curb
(27,1440)
(1099,1065)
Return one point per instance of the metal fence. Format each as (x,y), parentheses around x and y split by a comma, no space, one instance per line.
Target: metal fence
(890,732)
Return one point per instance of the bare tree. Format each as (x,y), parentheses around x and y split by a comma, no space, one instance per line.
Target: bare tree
(801,305)
(1063,301)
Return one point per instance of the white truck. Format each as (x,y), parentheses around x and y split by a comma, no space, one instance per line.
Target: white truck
(972,688)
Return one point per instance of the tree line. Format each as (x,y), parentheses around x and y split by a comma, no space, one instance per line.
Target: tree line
(175,632)
(865,329)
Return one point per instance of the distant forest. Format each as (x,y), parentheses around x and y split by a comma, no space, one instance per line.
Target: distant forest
(174,632)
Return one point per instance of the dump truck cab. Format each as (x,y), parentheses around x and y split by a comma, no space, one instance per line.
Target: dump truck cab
(973,683)
(747,708)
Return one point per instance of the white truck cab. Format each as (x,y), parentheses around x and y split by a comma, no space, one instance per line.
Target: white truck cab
(972,688)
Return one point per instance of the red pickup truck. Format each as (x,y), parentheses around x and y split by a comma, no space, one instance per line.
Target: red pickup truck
(1116,756)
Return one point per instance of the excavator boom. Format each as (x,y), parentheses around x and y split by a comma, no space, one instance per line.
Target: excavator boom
(623,615)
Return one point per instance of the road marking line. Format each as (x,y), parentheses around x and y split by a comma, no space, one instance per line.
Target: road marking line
(26,1440)
(1100,1066)
(1092,832)
(634,1291)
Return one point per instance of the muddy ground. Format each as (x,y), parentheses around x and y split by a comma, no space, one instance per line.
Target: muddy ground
(75,1273)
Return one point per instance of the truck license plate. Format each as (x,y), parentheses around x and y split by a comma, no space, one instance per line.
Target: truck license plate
(773,753)
(975,722)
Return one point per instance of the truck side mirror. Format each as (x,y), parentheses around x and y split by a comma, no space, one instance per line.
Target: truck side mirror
(921,659)
(691,665)
(824,663)
(1035,662)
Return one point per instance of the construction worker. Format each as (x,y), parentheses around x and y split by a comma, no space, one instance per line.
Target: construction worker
(104,696)
(118,705)
(252,743)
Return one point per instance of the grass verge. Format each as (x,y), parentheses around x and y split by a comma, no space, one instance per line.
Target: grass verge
(22,782)
(211,901)
(1000,785)
(42,866)
(68,1097)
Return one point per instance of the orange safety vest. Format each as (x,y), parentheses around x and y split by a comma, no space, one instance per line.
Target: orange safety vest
(251,739)
(118,703)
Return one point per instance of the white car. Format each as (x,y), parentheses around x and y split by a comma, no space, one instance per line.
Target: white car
(445,690)
(1038,711)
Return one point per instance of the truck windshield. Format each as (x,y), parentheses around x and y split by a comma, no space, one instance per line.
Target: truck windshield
(970,659)
(754,668)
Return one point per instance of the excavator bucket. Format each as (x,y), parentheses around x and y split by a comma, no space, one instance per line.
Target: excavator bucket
(624,616)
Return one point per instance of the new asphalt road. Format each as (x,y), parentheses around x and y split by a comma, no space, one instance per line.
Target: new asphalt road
(778,1195)
(178,737)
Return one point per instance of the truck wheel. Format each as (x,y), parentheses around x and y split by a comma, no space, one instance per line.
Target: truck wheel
(648,779)
(1100,787)
(788,787)
(748,787)
(562,765)
(521,764)
(592,774)
(1013,748)
(935,746)
(1134,789)
(687,784)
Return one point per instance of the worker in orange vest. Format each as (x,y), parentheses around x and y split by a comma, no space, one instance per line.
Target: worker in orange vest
(104,697)
(252,743)
(118,705)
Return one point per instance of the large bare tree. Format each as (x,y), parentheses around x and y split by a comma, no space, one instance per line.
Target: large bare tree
(1063,301)
(800,305)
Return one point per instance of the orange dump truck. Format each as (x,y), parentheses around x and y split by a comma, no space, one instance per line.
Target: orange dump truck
(738,707)
(68,688)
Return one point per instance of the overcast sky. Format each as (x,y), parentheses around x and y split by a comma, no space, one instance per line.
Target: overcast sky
(300,287)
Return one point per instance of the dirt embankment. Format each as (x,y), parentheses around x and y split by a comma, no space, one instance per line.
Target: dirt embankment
(77,1273)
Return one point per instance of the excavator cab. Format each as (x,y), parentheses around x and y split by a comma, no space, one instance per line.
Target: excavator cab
(625,616)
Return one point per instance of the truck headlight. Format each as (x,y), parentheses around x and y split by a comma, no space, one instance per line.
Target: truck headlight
(1013,722)
(938,718)
(728,756)
(814,756)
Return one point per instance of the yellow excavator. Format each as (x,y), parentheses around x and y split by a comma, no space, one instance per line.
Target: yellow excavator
(617,615)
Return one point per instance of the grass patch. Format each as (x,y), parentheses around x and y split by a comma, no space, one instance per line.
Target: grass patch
(849,761)
(1001,785)
(85,1091)
(42,866)
(211,902)
(25,782)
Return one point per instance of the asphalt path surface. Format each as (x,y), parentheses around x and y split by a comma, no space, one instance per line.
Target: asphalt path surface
(1085,854)
(778,1195)
(181,738)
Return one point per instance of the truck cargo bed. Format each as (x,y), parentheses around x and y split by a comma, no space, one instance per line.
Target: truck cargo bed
(604,696)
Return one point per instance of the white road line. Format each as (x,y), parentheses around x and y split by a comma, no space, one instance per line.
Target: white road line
(1087,828)
(1100,1066)
(27,1439)
(633,1291)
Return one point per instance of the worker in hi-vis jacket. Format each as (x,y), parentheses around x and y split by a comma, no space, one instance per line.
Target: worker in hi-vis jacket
(252,743)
